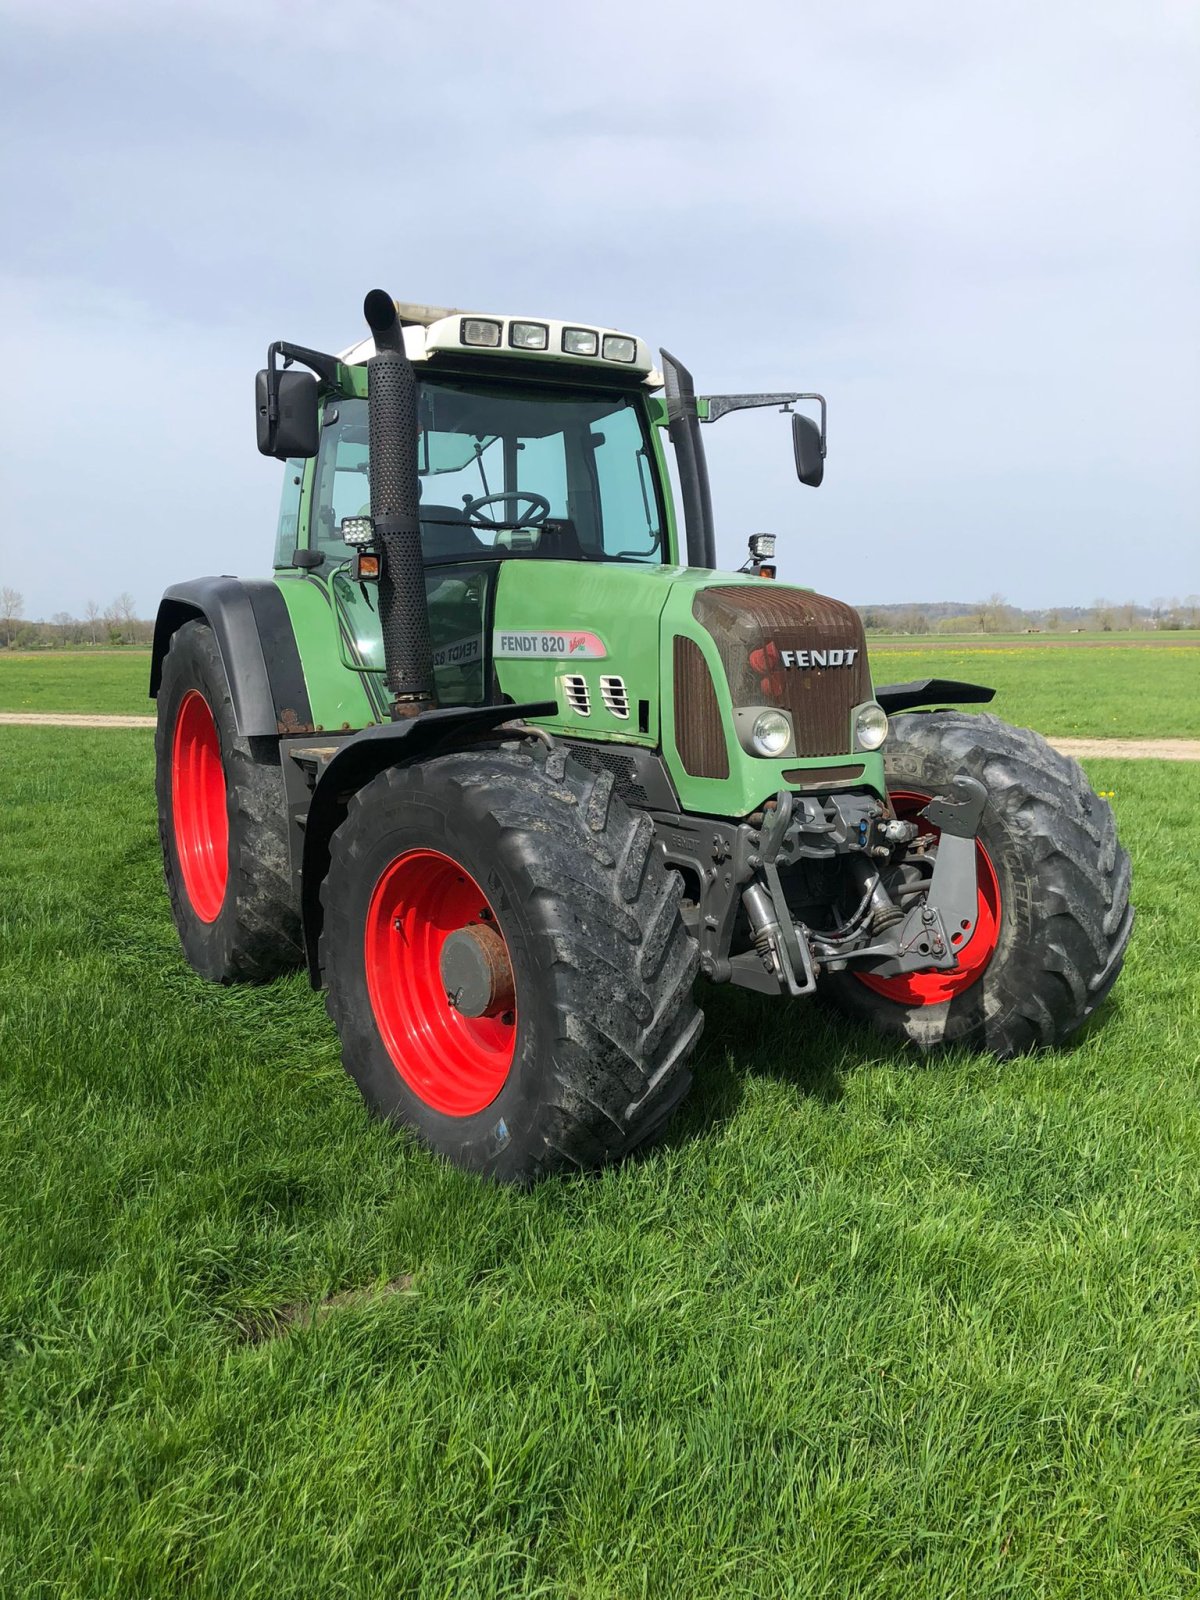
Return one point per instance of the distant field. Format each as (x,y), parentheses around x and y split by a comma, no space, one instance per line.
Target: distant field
(76,680)
(1104,690)
(1134,640)
(864,1326)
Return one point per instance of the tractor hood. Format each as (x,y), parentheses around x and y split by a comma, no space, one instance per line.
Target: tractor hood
(686,659)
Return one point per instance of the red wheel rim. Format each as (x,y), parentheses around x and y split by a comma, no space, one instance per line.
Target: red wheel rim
(455,1064)
(198,807)
(935,988)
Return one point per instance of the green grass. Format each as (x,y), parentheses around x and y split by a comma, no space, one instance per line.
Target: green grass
(864,1326)
(1123,692)
(69,680)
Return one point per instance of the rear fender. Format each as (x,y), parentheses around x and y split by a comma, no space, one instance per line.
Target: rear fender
(253,633)
(362,757)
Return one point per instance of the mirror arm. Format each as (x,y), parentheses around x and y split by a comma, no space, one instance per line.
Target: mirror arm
(325,367)
(713,407)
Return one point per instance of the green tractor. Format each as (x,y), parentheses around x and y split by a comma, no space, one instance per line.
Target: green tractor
(509,764)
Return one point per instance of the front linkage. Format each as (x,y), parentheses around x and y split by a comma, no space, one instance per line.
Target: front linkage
(738,868)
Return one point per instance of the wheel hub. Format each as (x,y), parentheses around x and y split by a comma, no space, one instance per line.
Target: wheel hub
(476,971)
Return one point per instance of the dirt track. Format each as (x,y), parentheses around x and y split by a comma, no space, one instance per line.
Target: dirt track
(69,719)
(1131,749)
(1116,749)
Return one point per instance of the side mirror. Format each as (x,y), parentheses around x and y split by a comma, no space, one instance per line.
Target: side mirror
(809,448)
(292,430)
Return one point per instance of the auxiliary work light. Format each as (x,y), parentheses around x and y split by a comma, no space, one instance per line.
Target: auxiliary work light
(481,331)
(357,530)
(580,341)
(617,347)
(528,335)
(762,546)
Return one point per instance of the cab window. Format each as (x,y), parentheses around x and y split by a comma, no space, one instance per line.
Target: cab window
(287,532)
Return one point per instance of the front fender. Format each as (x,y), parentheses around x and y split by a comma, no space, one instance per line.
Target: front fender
(362,757)
(897,697)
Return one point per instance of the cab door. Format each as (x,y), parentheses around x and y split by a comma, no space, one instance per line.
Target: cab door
(457,595)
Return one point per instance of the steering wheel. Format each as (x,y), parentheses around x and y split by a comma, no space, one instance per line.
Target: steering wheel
(533,518)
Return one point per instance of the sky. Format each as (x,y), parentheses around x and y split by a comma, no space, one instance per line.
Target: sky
(976,229)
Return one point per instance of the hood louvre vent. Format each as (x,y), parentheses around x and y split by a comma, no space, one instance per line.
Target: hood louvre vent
(615,696)
(576,690)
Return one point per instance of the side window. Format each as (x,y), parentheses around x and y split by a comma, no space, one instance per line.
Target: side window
(342,486)
(287,532)
(625,479)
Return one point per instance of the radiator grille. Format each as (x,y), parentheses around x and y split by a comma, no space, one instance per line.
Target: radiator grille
(623,769)
(764,633)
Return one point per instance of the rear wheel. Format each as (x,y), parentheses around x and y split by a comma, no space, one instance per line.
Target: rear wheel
(222,819)
(1053,916)
(505,964)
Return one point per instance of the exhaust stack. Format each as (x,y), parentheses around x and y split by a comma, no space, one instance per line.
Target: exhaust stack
(395,498)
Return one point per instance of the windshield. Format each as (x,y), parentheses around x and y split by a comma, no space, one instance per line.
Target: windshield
(507,471)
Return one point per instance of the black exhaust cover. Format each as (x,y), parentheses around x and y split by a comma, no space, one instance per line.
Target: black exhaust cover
(395,500)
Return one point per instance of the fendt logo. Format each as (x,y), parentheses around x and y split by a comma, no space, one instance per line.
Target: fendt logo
(770,658)
(770,662)
(817,658)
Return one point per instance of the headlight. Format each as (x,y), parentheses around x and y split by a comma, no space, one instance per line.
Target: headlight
(771,733)
(870,726)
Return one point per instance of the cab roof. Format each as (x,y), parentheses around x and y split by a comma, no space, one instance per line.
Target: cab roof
(430,331)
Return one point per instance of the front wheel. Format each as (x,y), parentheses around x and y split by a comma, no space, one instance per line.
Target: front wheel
(1054,917)
(505,964)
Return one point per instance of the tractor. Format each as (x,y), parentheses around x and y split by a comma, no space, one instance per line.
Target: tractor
(502,757)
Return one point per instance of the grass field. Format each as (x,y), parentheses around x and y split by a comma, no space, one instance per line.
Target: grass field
(863,1327)
(1118,691)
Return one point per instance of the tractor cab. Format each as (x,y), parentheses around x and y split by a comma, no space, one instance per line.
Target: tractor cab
(535,442)
(540,442)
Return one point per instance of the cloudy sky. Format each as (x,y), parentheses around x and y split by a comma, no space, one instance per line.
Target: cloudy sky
(975,228)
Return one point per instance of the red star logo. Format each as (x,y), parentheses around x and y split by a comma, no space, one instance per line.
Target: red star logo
(766,663)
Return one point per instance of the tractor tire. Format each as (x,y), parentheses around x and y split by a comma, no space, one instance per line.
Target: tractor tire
(572,1046)
(1054,913)
(222,819)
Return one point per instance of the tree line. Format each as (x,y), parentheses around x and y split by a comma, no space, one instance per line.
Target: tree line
(996,615)
(116,623)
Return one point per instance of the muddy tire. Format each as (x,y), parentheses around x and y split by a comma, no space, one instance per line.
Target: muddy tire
(1054,913)
(222,820)
(579,1020)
